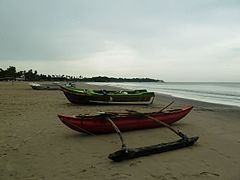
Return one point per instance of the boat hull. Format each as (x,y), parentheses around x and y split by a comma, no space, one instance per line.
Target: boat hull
(83,96)
(125,122)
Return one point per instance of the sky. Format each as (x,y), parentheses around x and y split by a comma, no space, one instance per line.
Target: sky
(170,40)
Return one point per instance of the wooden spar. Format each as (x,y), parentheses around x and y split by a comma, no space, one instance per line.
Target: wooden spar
(166,106)
(160,122)
(115,113)
(124,147)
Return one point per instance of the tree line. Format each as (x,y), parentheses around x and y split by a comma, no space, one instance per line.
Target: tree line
(32,75)
(112,79)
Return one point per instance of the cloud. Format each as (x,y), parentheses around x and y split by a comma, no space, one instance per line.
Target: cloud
(161,39)
(113,60)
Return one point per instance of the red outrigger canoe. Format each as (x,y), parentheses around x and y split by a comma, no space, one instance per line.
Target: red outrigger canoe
(97,124)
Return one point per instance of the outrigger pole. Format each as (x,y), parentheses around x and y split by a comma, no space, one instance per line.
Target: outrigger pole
(166,106)
(160,122)
(124,147)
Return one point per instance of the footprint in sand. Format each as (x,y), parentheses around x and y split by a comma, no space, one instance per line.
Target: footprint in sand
(163,177)
(134,163)
(205,173)
(120,176)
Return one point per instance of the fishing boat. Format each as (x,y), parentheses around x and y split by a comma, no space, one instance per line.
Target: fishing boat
(90,96)
(116,122)
(45,86)
(98,124)
(49,86)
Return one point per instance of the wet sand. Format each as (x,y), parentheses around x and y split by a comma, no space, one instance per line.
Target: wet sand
(35,145)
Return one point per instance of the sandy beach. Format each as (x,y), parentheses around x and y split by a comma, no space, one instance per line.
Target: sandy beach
(35,145)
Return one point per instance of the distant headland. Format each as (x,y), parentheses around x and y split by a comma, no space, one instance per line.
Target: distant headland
(11,74)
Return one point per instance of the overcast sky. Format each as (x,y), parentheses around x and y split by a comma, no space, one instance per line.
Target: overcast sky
(175,40)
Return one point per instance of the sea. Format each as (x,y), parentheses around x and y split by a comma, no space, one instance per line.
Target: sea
(226,93)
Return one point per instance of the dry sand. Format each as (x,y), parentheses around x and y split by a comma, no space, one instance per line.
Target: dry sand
(35,145)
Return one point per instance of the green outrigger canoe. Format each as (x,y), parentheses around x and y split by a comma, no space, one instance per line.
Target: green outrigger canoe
(90,96)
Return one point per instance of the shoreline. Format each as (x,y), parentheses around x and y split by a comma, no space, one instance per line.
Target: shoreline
(34,143)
